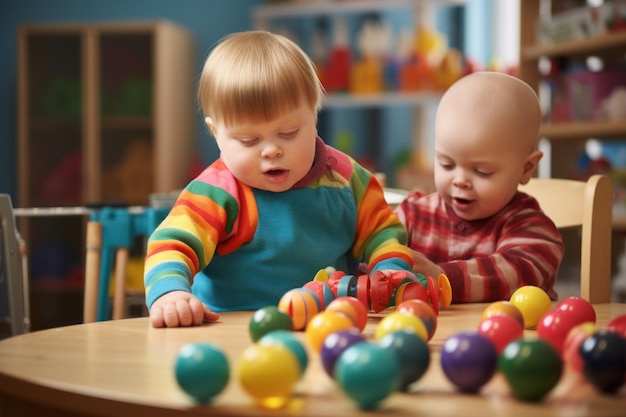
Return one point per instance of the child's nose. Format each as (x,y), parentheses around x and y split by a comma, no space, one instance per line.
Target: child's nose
(461,180)
(271,150)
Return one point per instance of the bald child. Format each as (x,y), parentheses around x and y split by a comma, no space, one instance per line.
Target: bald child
(477,228)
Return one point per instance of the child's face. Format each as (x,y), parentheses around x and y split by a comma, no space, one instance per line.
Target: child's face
(273,155)
(477,171)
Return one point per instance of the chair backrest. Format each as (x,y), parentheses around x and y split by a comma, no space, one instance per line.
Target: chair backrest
(589,205)
(10,273)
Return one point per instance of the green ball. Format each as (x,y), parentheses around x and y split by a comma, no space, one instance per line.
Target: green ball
(202,371)
(532,368)
(268,319)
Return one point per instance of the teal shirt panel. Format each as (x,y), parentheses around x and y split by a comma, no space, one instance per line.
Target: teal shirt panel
(300,231)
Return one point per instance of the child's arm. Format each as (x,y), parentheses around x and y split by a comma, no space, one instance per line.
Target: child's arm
(179,309)
(527,252)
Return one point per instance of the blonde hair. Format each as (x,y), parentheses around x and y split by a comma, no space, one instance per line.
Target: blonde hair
(255,76)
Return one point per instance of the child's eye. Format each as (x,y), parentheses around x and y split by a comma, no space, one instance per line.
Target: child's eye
(289,134)
(446,165)
(482,173)
(248,141)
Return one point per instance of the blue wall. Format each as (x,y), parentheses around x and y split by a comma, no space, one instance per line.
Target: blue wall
(208,20)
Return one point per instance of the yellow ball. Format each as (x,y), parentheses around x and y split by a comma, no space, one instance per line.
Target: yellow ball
(533,302)
(269,372)
(399,320)
(323,324)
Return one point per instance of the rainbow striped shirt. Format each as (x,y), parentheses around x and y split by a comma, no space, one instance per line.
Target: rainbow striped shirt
(240,248)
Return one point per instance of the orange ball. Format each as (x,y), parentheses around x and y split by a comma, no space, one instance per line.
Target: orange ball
(351,307)
(503,308)
(322,325)
(423,311)
(301,305)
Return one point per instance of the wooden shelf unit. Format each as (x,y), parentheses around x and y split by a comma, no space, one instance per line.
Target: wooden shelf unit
(106,113)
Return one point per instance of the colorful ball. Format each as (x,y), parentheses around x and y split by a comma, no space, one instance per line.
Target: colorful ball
(268,319)
(468,360)
(288,339)
(618,325)
(579,308)
(322,291)
(571,346)
(533,302)
(501,330)
(412,352)
(604,360)
(335,344)
(532,368)
(322,325)
(422,310)
(397,320)
(202,371)
(368,373)
(503,308)
(410,291)
(554,327)
(268,373)
(351,307)
(301,305)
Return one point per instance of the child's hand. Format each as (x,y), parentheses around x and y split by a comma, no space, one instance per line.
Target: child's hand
(423,265)
(180,309)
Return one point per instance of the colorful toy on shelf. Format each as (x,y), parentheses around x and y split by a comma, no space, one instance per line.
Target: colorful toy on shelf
(366,74)
(337,72)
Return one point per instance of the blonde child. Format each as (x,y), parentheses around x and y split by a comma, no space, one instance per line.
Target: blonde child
(277,206)
(478,229)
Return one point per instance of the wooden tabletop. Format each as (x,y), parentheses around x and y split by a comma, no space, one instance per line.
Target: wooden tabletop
(125,367)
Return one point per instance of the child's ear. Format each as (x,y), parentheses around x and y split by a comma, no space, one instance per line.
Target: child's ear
(530,165)
(209,123)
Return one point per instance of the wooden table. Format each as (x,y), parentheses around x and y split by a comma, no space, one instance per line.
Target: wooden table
(125,367)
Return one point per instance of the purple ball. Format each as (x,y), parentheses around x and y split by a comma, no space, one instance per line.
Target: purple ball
(335,344)
(469,360)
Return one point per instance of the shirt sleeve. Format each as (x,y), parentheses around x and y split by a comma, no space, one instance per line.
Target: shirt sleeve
(204,220)
(487,261)
(381,237)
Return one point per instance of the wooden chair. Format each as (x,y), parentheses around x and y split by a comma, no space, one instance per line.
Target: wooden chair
(589,205)
(13,272)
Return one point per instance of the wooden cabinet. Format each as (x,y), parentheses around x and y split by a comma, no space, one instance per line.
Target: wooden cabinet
(106,114)
(567,138)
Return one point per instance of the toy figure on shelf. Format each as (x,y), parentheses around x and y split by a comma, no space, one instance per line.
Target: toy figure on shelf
(337,73)
(366,75)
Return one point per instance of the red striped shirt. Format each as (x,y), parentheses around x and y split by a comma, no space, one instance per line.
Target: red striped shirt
(485,260)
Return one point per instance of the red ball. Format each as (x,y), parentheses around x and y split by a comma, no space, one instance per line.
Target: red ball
(410,291)
(554,327)
(501,330)
(618,325)
(578,307)
(422,310)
